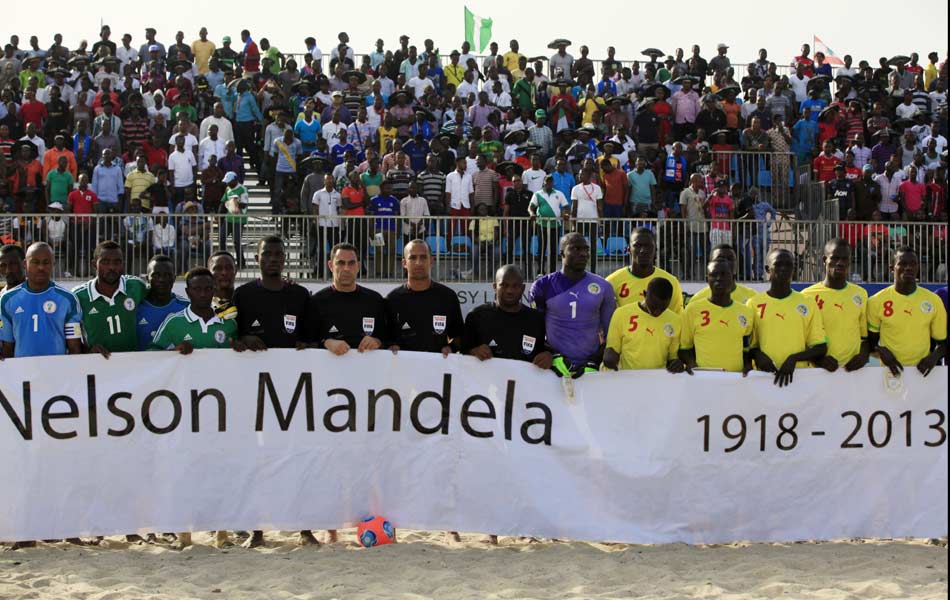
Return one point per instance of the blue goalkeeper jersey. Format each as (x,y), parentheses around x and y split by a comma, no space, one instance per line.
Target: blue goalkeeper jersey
(150,317)
(39,323)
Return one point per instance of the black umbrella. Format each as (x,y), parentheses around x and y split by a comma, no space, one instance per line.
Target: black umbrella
(653,53)
(503,167)
(684,78)
(618,101)
(900,59)
(515,137)
(818,79)
(556,44)
(360,76)
(537,58)
(900,124)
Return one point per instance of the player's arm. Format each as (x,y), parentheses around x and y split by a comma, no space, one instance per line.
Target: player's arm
(7,350)
(614,344)
(746,355)
(673,363)
(938,341)
(470,345)
(887,357)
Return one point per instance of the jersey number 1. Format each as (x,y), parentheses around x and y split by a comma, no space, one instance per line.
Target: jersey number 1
(36,323)
(574,309)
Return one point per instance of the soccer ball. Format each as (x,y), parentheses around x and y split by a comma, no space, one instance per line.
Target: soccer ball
(375,531)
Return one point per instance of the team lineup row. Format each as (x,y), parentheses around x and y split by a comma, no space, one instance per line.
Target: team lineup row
(578,321)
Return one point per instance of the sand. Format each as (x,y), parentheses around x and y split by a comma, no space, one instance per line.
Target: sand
(425,565)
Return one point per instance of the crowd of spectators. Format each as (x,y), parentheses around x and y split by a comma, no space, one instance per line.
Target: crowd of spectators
(151,132)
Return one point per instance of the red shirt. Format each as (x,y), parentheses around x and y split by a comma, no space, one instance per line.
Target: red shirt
(937,202)
(155,157)
(719,207)
(851,233)
(615,187)
(913,195)
(852,173)
(825,166)
(252,57)
(807,63)
(355,196)
(33,112)
(82,202)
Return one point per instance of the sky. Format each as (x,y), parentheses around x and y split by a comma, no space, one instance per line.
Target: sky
(624,24)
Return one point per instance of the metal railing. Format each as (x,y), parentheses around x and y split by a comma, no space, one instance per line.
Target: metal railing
(470,249)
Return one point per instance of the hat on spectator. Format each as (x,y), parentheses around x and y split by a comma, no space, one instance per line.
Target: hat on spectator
(867,169)
(154,48)
(56,206)
(839,167)
(540,113)
(721,46)
(189,205)
(230,176)
(226,39)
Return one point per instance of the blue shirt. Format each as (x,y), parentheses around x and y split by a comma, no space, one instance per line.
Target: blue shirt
(338,150)
(417,153)
(247,109)
(385,205)
(149,317)
(228,99)
(294,149)
(108,182)
(804,134)
(307,133)
(816,106)
(39,323)
(606,86)
(564,183)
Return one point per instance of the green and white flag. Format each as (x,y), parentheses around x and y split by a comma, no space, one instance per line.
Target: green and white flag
(477,30)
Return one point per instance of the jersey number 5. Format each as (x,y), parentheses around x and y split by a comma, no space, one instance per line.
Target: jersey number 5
(633,323)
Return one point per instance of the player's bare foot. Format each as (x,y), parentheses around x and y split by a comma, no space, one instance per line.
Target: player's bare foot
(134,539)
(331,536)
(75,541)
(454,536)
(306,539)
(221,540)
(493,540)
(256,540)
(169,538)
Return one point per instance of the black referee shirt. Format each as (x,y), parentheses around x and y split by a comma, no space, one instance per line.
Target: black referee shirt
(346,316)
(515,336)
(424,321)
(277,317)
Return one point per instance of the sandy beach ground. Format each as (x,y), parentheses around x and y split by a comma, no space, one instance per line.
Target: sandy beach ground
(426,565)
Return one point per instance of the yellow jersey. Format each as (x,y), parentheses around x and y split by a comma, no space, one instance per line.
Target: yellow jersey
(642,340)
(907,323)
(630,289)
(720,335)
(782,327)
(740,295)
(844,316)
(512,59)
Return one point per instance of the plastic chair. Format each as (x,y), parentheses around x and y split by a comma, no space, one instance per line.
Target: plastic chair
(437,245)
(461,241)
(616,246)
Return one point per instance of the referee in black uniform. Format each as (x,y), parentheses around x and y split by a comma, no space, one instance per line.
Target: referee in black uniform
(346,316)
(272,314)
(506,328)
(423,316)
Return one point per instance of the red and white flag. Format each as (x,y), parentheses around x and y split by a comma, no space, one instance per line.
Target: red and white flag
(830,57)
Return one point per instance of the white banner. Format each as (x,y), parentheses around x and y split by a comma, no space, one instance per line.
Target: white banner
(292,440)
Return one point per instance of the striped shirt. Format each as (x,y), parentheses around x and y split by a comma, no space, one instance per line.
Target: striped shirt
(432,188)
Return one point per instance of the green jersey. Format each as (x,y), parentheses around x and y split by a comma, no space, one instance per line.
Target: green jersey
(111,322)
(235,201)
(186,326)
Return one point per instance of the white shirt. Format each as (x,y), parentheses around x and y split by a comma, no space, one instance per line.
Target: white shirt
(331,132)
(40,145)
(55,229)
(586,197)
(163,236)
(502,100)
(413,207)
(126,55)
(941,142)
(466,89)
(799,86)
(862,155)
(939,99)
(225,131)
(316,53)
(328,206)
(555,200)
(182,164)
(464,58)
(533,179)
(419,85)
(207,148)
(459,187)
(906,111)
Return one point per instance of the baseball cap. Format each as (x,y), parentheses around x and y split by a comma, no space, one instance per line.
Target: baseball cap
(720,46)
(230,176)
(154,48)
(867,168)
(55,206)
(540,113)
(226,38)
